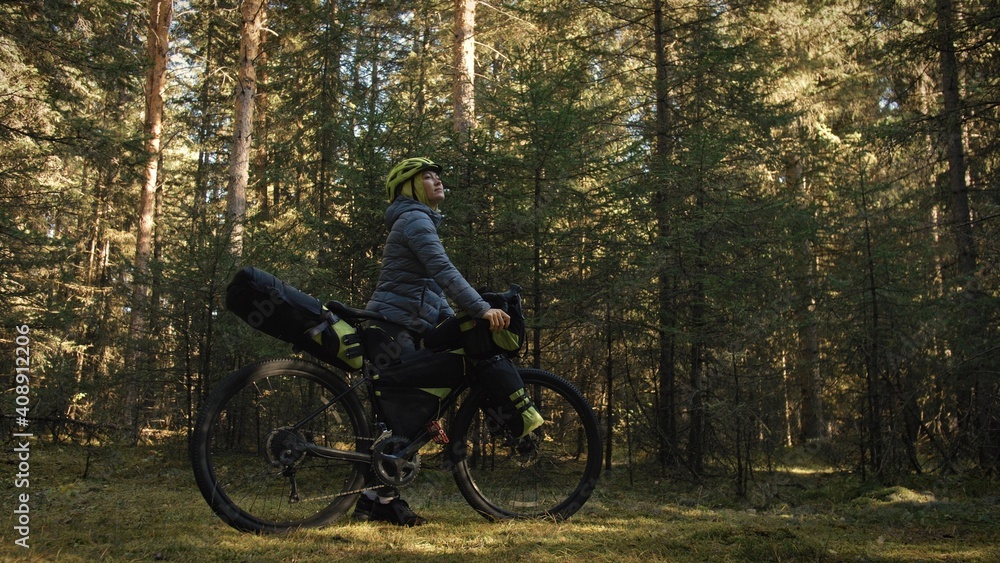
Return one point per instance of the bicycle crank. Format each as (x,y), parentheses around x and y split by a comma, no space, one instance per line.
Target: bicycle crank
(391,468)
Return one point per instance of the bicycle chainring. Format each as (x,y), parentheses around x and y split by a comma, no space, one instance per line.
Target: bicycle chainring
(391,468)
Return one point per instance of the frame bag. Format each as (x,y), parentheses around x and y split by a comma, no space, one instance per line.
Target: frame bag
(409,386)
(273,307)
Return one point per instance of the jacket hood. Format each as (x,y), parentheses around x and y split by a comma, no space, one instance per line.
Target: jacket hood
(403,205)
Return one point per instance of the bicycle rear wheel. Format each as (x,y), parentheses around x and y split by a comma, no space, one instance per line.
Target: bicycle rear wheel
(249,447)
(550,473)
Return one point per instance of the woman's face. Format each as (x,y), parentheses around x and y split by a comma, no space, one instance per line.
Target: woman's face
(433,188)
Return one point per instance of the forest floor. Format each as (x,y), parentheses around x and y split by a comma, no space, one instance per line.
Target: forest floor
(141,504)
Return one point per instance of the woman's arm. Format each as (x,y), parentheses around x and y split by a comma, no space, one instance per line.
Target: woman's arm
(422,237)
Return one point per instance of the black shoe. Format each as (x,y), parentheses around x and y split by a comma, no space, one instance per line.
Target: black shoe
(396,512)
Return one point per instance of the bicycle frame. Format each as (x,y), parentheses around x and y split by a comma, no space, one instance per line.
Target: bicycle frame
(422,438)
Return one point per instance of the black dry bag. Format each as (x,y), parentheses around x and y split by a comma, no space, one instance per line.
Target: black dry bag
(273,307)
(409,386)
(474,335)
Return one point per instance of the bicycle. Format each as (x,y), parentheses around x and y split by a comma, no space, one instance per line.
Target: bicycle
(288,443)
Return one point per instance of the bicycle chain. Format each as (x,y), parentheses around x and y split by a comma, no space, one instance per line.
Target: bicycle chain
(362,489)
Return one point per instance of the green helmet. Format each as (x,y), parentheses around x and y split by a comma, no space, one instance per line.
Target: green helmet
(404,171)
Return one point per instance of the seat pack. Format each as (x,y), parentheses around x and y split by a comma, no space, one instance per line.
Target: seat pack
(273,307)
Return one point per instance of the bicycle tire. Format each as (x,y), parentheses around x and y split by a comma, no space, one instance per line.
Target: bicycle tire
(549,474)
(244,428)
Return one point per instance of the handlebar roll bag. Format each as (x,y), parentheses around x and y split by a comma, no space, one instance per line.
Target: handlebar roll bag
(474,336)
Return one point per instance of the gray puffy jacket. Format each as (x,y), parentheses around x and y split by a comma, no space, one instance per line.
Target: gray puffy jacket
(416,272)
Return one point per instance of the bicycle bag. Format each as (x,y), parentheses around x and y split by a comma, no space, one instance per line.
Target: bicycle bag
(474,336)
(409,386)
(275,308)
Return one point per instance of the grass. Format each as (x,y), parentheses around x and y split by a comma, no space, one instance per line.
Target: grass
(141,504)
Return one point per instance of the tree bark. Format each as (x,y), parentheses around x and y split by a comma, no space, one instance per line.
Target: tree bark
(260,153)
(662,149)
(239,165)
(954,147)
(978,390)
(157,42)
(809,380)
(465,65)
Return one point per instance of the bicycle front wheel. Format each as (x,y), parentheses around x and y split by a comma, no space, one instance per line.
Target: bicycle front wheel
(250,448)
(549,473)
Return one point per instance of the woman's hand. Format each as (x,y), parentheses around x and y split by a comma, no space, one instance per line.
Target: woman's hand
(497,318)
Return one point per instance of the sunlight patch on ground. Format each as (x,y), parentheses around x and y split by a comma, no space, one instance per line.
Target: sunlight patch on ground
(806,471)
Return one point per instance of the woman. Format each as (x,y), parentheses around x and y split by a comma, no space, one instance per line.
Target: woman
(414,285)
(416,273)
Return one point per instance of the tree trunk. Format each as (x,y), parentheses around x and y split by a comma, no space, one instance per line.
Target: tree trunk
(260,153)
(977,389)
(812,425)
(327,138)
(698,417)
(465,65)
(157,41)
(536,270)
(239,165)
(663,148)
(954,148)
(876,401)
(807,364)
(609,373)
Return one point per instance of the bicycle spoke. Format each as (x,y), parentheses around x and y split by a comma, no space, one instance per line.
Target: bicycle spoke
(550,473)
(252,450)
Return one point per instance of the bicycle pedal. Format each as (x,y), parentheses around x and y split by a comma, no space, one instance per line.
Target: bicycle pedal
(437,433)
